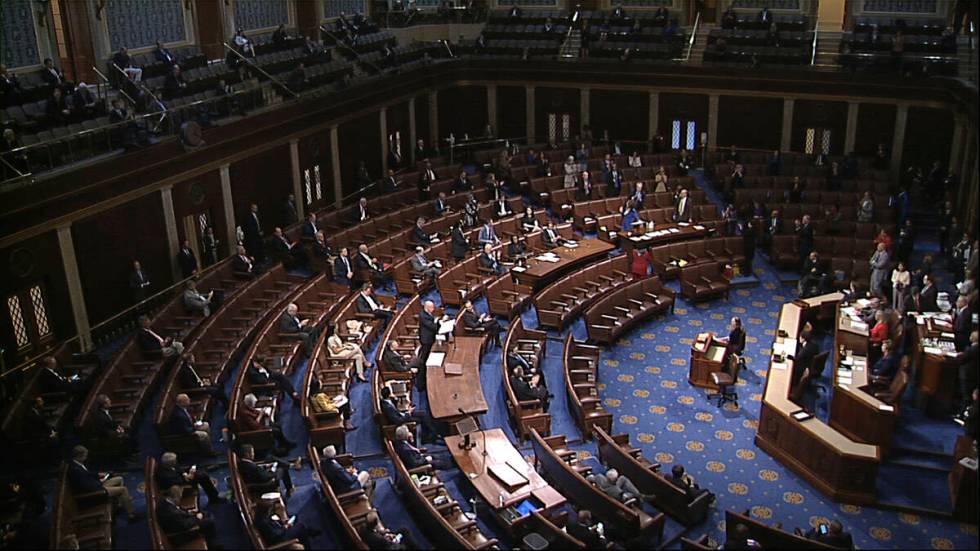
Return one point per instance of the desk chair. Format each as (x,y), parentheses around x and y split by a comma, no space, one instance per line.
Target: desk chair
(726,380)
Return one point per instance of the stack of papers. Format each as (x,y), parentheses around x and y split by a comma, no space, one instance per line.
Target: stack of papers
(519,269)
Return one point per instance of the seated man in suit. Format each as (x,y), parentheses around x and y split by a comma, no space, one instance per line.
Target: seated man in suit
(618,487)
(252,418)
(376,536)
(272,523)
(182,421)
(242,265)
(462,183)
(191,381)
(489,260)
(360,213)
(684,481)
(477,322)
(322,253)
(310,227)
(395,416)
(83,481)
(288,251)
(368,304)
(344,479)
(834,535)
(516,249)
(163,55)
(343,270)
(264,474)
(35,426)
(501,208)
(422,265)
(365,263)
(551,236)
(529,389)
(414,457)
(441,206)
(258,374)
(152,343)
(54,381)
(300,328)
(391,360)
(174,519)
(195,301)
(169,474)
(587,531)
(422,237)
(107,428)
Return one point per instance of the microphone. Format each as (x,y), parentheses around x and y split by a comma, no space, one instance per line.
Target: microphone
(465,444)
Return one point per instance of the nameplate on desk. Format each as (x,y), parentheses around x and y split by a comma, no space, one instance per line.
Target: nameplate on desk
(453,368)
(946,335)
(801,415)
(519,269)
(886,407)
(932,350)
(698,227)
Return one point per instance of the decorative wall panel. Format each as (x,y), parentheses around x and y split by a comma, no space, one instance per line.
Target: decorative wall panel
(260,14)
(772,4)
(333,8)
(900,6)
(19,40)
(138,23)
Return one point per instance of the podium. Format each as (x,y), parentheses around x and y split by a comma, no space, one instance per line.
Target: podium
(707,353)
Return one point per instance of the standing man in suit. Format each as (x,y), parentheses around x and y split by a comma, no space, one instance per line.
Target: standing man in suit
(302,329)
(428,328)
(488,235)
(682,209)
(139,282)
(808,348)
(804,235)
(84,481)
(928,296)
(343,271)
(880,263)
(638,196)
(614,180)
(962,323)
(253,232)
(186,260)
(426,179)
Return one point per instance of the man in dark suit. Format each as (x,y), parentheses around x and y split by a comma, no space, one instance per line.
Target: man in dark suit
(186,260)
(393,361)
(169,474)
(342,479)
(279,529)
(252,228)
(585,530)
(808,348)
(343,271)
(35,426)
(258,374)
(460,245)
(804,236)
(476,322)
(309,226)
(367,304)
(53,76)
(322,253)
(175,519)
(151,343)
(174,83)
(968,359)
(928,295)
(419,235)
(182,422)
(107,428)
(255,474)
(428,328)
(84,481)
(298,328)
(835,536)
(290,253)
(360,213)
(441,206)
(773,227)
(191,381)
(53,380)
(376,536)
(887,365)
(529,389)
(414,457)
(366,264)
(389,184)
(395,416)
(139,281)
(462,183)
(682,208)
(489,260)
(163,55)
(242,265)
(962,323)
(551,236)
(427,177)
(614,180)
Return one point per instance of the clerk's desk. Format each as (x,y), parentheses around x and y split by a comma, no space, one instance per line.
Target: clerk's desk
(707,353)
(854,411)
(835,464)
(935,361)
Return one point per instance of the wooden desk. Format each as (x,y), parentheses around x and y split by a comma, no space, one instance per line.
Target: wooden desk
(658,236)
(450,393)
(854,411)
(501,454)
(836,465)
(539,272)
(706,355)
(936,375)
(963,482)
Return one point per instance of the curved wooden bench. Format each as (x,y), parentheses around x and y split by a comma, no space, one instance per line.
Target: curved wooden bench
(705,280)
(666,259)
(246,499)
(616,453)
(445,524)
(767,536)
(567,297)
(581,362)
(525,414)
(617,312)
(159,539)
(559,465)
(351,508)
(85,518)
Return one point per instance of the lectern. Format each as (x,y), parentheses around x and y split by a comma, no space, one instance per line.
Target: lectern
(707,354)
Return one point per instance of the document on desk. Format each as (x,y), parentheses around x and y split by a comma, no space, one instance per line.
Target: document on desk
(435,359)
(446,327)
(507,474)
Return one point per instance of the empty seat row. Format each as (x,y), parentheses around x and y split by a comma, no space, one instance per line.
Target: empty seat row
(620,310)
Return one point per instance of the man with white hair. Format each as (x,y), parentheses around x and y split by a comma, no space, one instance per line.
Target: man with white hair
(428,328)
(880,269)
(344,479)
(300,328)
(252,418)
(618,487)
(182,421)
(412,456)
(489,260)
(194,301)
(169,474)
(422,265)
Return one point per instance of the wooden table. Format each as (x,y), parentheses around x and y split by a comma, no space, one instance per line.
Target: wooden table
(652,239)
(854,411)
(963,482)
(539,272)
(706,355)
(936,375)
(450,393)
(502,457)
(833,463)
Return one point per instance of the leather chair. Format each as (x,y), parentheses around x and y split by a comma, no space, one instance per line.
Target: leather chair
(726,380)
